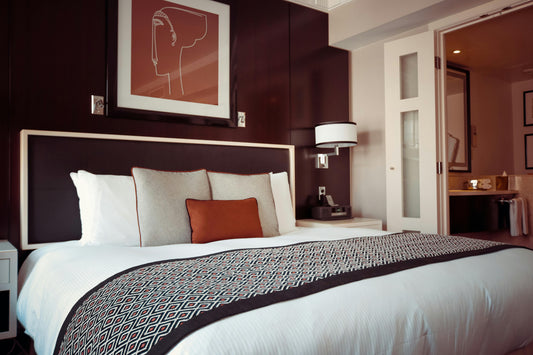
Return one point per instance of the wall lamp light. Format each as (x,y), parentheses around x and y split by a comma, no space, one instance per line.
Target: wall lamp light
(333,135)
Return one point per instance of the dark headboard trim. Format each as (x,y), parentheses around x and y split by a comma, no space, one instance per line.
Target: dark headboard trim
(26,174)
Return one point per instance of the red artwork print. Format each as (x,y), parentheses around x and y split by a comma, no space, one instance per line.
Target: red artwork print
(174,52)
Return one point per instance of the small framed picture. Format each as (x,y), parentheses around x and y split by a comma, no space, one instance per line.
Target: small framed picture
(528,144)
(528,108)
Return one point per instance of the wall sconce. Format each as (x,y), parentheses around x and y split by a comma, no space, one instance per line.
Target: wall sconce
(333,135)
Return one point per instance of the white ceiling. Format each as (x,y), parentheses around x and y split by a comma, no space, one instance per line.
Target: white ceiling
(501,46)
(322,5)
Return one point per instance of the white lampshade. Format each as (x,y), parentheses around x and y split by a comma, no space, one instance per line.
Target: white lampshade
(336,134)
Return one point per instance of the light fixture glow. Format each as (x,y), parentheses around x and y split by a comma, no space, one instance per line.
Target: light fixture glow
(457,51)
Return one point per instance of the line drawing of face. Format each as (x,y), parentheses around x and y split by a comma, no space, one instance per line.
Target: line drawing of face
(174,30)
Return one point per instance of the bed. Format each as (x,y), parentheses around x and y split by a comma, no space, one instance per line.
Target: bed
(342,290)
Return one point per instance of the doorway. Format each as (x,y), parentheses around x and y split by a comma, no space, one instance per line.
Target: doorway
(497,54)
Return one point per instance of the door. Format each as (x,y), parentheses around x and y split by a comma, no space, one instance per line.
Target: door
(411,134)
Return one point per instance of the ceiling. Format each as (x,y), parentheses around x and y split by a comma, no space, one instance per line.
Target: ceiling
(322,5)
(501,46)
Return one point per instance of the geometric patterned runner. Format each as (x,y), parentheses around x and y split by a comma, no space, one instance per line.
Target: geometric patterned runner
(151,307)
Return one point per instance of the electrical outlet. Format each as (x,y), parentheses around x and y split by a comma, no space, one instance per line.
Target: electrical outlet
(241,119)
(321,190)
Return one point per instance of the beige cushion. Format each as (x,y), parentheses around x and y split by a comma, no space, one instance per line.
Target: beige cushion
(226,186)
(161,210)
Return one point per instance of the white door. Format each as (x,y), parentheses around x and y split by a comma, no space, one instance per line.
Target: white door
(411,134)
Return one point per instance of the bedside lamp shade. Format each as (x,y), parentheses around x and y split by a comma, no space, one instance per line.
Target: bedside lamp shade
(333,135)
(336,134)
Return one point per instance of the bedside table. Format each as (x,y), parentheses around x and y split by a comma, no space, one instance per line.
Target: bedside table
(356,222)
(8,290)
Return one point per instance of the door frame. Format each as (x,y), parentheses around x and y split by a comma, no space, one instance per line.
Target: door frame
(441,28)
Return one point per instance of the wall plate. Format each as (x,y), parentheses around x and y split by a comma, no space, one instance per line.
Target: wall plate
(241,119)
(97,105)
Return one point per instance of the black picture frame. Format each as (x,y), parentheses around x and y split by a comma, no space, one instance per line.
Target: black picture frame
(528,108)
(115,110)
(528,150)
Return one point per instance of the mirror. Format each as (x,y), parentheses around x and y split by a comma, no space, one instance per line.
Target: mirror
(458,119)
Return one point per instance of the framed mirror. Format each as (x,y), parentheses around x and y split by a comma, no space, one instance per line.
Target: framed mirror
(458,118)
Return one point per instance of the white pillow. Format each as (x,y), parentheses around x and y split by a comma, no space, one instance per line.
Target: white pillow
(107,209)
(84,203)
(226,186)
(283,202)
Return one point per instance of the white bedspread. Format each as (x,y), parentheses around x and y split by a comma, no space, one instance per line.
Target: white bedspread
(474,305)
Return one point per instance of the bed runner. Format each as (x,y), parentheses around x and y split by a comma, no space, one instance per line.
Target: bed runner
(150,308)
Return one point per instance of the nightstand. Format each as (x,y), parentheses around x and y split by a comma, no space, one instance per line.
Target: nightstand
(8,290)
(356,222)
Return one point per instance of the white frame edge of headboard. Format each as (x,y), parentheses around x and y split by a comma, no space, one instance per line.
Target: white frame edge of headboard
(25,133)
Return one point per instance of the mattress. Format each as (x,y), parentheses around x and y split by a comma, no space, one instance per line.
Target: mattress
(479,304)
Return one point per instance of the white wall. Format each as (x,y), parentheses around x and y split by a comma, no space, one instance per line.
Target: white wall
(519,130)
(368,198)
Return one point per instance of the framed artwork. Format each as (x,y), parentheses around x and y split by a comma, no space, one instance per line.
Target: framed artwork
(528,144)
(170,60)
(528,108)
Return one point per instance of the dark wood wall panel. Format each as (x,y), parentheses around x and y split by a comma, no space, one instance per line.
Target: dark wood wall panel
(287,79)
(319,93)
(4,122)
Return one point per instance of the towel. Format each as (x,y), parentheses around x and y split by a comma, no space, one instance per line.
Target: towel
(525,221)
(518,218)
(515,218)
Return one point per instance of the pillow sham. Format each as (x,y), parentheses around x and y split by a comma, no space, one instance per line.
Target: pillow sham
(226,186)
(283,202)
(161,210)
(223,219)
(107,209)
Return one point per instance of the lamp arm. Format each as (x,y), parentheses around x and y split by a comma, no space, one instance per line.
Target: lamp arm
(335,152)
(321,159)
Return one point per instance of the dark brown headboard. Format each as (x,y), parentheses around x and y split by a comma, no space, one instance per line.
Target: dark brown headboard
(49,203)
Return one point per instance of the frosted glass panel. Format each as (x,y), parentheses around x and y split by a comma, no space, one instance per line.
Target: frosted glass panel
(409,76)
(410,165)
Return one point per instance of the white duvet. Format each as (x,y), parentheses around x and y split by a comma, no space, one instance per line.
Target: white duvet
(474,305)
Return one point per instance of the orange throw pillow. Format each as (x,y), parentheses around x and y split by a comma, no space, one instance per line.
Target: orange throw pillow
(223,219)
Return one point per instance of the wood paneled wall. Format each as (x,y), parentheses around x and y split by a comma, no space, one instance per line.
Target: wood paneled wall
(4,121)
(288,79)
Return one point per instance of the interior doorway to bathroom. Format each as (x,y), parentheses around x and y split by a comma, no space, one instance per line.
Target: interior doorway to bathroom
(497,55)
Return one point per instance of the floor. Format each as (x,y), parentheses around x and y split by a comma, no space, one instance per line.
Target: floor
(501,236)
